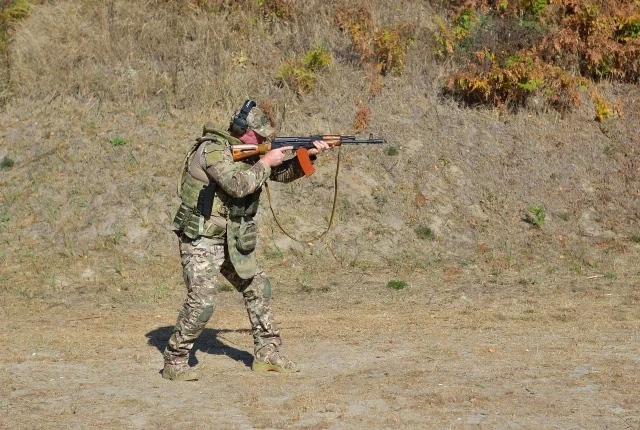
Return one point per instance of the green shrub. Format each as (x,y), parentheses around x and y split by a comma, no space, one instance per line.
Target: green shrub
(390,47)
(536,215)
(425,232)
(300,74)
(6,163)
(117,141)
(535,7)
(507,51)
(282,9)
(317,58)
(396,285)
(10,12)
(384,49)
(16,9)
(464,22)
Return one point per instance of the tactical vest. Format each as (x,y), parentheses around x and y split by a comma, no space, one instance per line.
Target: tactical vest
(188,220)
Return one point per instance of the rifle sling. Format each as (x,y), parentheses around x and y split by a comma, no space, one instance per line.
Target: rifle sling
(333,209)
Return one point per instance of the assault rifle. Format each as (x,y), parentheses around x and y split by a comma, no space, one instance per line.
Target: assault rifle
(300,145)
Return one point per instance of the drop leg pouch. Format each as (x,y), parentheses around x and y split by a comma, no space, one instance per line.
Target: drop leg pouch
(242,236)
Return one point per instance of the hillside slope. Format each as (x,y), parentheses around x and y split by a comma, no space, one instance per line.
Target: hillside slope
(459,188)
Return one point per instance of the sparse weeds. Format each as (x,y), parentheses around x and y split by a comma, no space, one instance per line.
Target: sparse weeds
(536,215)
(226,288)
(304,283)
(385,48)
(143,212)
(425,232)
(396,285)
(635,238)
(301,74)
(52,216)
(117,235)
(281,9)
(6,163)
(609,150)
(5,217)
(379,197)
(565,216)
(10,12)
(119,264)
(391,150)
(272,251)
(117,141)
(524,281)
(390,45)
(344,210)
(363,116)
(303,288)
(159,292)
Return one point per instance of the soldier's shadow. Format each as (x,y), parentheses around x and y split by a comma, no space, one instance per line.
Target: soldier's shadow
(207,342)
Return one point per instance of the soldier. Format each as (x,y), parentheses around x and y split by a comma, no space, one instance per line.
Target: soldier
(217,235)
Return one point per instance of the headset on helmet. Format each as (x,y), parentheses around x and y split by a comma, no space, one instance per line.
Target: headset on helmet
(239,124)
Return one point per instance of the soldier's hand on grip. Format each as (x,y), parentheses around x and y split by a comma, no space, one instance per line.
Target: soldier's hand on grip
(275,157)
(320,146)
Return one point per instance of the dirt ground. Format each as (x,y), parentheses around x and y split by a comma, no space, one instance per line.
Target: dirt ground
(562,353)
(517,234)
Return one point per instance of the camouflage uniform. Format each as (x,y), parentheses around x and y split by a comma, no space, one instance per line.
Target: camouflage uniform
(209,246)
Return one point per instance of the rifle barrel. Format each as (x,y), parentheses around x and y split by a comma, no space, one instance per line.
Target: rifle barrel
(308,140)
(361,142)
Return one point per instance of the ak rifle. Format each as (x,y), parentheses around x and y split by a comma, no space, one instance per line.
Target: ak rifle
(301,145)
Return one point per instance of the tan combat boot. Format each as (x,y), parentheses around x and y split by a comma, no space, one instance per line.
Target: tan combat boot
(269,358)
(180,372)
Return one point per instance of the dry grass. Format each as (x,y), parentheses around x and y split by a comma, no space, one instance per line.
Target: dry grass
(85,236)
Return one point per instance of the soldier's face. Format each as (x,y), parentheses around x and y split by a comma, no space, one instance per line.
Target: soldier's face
(250,137)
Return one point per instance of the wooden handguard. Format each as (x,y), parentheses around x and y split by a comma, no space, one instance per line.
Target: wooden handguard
(240,152)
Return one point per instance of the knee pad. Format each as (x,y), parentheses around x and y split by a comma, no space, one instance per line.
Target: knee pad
(206,314)
(266,288)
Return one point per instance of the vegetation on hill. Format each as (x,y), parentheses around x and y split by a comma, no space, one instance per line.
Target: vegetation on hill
(510,51)
(122,87)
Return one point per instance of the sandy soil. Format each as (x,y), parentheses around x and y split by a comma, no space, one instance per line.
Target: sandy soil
(562,353)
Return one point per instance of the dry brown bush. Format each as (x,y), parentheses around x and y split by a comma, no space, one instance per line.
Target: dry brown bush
(363,116)
(534,45)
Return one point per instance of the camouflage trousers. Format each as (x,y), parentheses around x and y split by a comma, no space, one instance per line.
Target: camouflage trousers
(203,261)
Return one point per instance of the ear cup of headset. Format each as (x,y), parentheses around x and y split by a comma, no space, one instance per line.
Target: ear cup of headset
(239,124)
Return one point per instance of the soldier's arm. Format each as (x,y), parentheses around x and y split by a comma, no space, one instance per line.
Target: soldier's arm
(235,182)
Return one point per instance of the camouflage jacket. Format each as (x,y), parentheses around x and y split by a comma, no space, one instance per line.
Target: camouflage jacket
(235,180)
